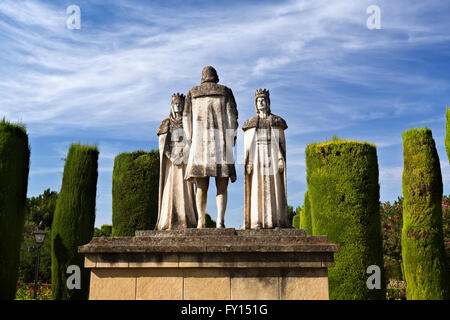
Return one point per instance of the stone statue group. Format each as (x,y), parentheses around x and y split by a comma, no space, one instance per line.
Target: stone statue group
(196,142)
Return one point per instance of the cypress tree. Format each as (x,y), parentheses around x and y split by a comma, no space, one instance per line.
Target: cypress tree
(305,215)
(343,192)
(135,184)
(447,132)
(296,221)
(73,222)
(425,267)
(14,168)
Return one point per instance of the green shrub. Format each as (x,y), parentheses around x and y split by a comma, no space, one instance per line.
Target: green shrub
(296,221)
(305,215)
(135,184)
(209,222)
(73,222)
(42,207)
(425,267)
(343,192)
(391,229)
(14,168)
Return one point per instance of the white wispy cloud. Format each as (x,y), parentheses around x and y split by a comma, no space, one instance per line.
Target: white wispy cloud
(325,70)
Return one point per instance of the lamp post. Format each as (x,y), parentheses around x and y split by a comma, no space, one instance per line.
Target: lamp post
(39,237)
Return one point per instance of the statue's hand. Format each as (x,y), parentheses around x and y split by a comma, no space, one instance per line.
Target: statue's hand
(249,168)
(280,165)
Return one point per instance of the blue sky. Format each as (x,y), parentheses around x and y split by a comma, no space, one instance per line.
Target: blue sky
(110,82)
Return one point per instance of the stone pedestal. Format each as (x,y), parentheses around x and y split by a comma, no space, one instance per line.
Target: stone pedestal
(198,264)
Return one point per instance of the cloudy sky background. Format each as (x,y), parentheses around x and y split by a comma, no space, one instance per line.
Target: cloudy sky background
(110,82)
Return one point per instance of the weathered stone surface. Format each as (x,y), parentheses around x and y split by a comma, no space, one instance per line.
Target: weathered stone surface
(212,240)
(207,284)
(176,200)
(304,284)
(255,284)
(112,284)
(197,264)
(265,200)
(158,284)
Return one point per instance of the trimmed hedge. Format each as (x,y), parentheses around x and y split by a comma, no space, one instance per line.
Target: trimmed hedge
(14,168)
(73,222)
(305,215)
(447,132)
(135,184)
(425,267)
(343,190)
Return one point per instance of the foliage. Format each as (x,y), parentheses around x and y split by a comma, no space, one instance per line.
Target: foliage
(14,168)
(73,223)
(290,212)
(42,208)
(209,222)
(104,231)
(135,184)
(296,221)
(343,190)
(425,266)
(396,290)
(446,225)
(305,215)
(391,229)
(27,264)
(25,291)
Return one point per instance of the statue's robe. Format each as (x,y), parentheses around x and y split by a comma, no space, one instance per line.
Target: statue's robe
(210,122)
(265,187)
(176,201)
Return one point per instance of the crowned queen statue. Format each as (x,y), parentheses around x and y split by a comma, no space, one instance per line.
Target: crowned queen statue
(176,205)
(265,167)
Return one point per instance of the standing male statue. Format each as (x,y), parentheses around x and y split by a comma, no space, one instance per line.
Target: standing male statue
(210,122)
(265,167)
(176,205)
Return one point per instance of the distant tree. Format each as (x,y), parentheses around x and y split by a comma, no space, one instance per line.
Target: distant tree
(305,215)
(42,208)
(210,223)
(291,213)
(28,259)
(104,231)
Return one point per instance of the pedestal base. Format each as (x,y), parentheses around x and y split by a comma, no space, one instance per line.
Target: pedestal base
(199,264)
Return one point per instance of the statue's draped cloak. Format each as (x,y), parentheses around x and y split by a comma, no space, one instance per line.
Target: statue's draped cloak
(210,122)
(176,201)
(265,187)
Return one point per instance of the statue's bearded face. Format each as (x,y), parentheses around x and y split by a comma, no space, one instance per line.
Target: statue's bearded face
(261,104)
(177,106)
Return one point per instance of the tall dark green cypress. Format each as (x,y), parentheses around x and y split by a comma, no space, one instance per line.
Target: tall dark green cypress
(343,191)
(447,132)
(305,215)
(14,168)
(135,184)
(423,252)
(73,222)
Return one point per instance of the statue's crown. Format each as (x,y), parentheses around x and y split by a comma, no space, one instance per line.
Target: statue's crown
(178,96)
(262,93)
